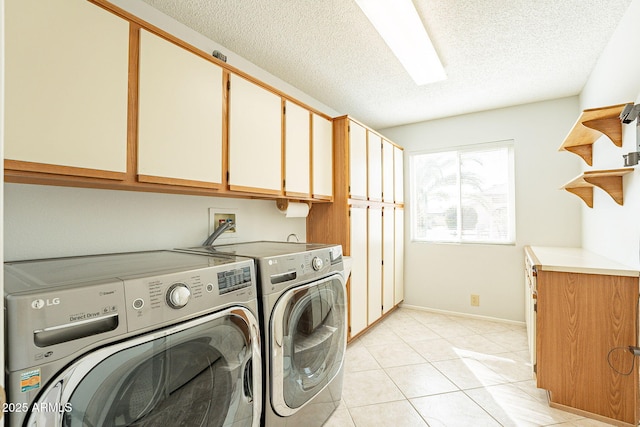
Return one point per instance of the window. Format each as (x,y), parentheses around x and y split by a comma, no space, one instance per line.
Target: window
(465,195)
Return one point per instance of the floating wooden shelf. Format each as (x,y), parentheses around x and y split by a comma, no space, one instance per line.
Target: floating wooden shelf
(609,180)
(592,124)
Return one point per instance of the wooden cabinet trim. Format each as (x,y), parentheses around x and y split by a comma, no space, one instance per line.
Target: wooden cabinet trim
(177,182)
(19,165)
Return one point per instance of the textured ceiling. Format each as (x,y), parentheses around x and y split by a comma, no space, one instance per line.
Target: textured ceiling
(496,53)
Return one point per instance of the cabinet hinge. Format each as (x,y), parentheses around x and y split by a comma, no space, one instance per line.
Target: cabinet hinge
(284,183)
(535,368)
(382,262)
(227,176)
(535,307)
(284,109)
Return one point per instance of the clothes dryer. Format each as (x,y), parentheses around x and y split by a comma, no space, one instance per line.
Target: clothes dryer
(136,339)
(303,319)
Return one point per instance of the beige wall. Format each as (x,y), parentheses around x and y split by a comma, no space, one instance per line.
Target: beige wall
(609,229)
(443,276)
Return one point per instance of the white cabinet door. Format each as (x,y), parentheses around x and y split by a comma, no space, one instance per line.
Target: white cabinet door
(297,150)
(322,158)
(388,259)
(398,172)
(374,167)
(387,172)
(357,161)
(375,263)
(358,280)
(255,138)
(66,84)
(180,115)
(399,256)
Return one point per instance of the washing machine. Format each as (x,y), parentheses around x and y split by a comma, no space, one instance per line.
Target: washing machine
(136,339)
(304,326)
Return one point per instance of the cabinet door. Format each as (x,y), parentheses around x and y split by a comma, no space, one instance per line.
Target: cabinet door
(358,280)
(322,158)
(374,246)
(388,259)
(297,150)
(255,138)
(357,161)
(398,173)
(387,172)
(399,256)
(374,167)
(66,70)
(179,117)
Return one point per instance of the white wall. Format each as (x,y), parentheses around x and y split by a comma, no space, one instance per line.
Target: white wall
(443,276)
(609,229)
(44,221)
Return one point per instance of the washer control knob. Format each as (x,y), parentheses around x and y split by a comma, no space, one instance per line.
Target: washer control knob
(316,263)
(178,295)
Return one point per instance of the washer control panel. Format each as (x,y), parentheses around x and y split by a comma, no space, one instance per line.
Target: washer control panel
(160,299)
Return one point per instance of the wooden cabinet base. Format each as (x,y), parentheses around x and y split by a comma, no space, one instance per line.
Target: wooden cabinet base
(590,415)
(584,326)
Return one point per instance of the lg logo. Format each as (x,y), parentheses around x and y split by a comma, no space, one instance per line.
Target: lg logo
(39,303)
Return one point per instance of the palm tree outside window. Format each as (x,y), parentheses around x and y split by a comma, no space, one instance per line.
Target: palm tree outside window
(464,195)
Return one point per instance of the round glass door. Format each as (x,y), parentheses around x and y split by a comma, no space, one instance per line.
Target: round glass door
(205,374)
(309,331)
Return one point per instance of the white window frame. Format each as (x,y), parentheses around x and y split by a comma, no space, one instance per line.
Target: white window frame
(511,214)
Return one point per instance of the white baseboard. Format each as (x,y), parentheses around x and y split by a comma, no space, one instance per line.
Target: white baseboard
(458,314)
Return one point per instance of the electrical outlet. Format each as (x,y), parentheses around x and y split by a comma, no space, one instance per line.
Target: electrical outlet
(475,300)
(218,216)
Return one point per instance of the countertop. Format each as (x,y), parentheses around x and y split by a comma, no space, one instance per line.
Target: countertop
(576,260)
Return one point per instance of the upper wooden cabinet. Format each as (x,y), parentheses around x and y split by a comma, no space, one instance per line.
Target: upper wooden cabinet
(255,138)
(322,141)
(356,137)
(66,71)
(179,115)
(97,97)
(297,151)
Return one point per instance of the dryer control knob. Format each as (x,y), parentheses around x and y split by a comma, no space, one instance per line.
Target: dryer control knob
(316,263)
(178,295)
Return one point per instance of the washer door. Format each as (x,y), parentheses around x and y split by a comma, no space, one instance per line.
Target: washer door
(308,330)
(205,372)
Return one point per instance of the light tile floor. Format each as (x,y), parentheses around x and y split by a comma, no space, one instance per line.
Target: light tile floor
(418,368)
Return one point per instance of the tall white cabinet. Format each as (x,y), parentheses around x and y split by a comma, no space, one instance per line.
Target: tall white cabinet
(366,217)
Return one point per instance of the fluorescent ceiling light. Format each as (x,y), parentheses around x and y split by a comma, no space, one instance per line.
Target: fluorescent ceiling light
(400,26)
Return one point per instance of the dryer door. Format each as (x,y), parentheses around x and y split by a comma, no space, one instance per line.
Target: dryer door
(205,372)
(308,330)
